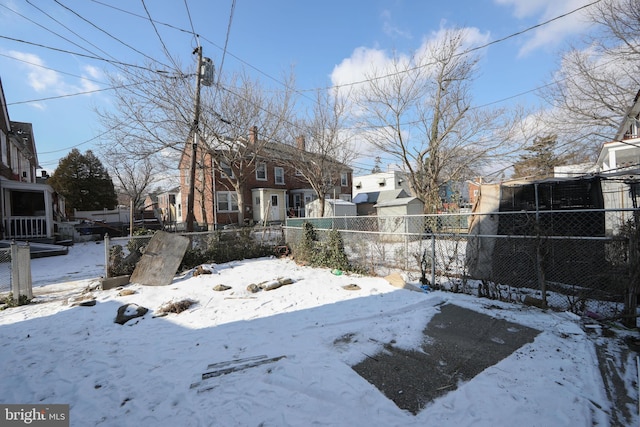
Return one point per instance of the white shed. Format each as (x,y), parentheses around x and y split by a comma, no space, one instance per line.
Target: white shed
(392,216)
(332,207)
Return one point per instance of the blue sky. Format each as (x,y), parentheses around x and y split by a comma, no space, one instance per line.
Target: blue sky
(325,43)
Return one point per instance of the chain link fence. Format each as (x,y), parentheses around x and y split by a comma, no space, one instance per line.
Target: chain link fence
(583,261)
(5,270)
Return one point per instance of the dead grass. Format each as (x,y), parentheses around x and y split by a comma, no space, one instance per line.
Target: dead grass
(176,306)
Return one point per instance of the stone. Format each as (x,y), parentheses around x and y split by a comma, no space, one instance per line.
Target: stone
(351,287)
(114,282)
(275,284)
(128,312)
(253,288)
(221,288)
(201,270)
(125,292)
(396,279)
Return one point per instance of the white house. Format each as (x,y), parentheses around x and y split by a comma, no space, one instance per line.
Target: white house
(619,164)
(381,181)
(29,209)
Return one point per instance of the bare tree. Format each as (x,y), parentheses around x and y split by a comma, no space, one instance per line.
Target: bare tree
(419,111)
(134,177)
(322,151)
(153,118)
(238,123)
(596,83)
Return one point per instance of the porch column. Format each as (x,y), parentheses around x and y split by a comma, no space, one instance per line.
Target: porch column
(48,212)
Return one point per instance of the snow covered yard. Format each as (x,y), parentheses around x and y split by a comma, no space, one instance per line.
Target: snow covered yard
(281,357)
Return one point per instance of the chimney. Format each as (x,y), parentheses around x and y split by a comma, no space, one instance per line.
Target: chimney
(253,135)
(300,143)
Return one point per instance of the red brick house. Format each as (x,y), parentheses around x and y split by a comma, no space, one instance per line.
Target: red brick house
(272,189)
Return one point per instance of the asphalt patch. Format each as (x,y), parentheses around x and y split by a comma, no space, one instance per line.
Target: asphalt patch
(459,344)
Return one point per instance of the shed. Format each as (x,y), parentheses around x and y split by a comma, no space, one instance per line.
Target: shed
(366,202)
(392,216)
(332,207)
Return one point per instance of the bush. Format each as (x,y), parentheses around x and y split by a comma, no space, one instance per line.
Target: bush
(322,254)
(8,301)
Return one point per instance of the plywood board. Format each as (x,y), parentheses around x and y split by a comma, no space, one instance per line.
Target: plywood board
(160,260)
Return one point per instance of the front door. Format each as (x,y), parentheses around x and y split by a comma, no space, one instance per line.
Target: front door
(274,214)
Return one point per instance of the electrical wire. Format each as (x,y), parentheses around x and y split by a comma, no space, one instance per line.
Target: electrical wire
(226,40)
(74,94)
(71,31)
(164,47)
(337,86)
(109,34)
(51,69)
(76,53)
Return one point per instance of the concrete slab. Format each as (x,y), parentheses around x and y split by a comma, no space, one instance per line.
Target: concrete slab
(160,260)
(459,344)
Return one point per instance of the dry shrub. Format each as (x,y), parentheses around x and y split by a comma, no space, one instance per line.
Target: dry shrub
(177,306)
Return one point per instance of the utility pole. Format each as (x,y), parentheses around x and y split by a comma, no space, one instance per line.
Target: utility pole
(194,145)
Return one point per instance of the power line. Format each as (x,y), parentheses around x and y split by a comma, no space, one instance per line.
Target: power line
(186,5)
(109,34)
(74,94)
(71,31)
(77,53)
(164,47)
(468,51)
(226,40)
(51,69)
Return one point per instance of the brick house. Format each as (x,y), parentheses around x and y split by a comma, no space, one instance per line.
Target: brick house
(272,189)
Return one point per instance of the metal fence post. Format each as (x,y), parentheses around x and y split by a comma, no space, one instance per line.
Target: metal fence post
(106,255)
(406,242)
(433,260)
(15,274)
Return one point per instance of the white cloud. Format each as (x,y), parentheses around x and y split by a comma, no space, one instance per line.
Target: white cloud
(46,81)
(365,61)
(362,61)
(390,29)
(552,34)
(39,78)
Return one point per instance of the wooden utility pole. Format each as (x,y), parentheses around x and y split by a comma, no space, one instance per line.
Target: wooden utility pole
(194,145)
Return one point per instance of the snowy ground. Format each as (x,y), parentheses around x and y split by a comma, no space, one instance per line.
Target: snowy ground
(149,370)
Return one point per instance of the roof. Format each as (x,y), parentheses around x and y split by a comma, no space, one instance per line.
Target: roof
(380,196)
(632,113)
(403,201)
(4,111)
(23,133)
(339,202)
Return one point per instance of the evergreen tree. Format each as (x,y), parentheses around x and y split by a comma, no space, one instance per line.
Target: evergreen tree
(84,183)
(540,159)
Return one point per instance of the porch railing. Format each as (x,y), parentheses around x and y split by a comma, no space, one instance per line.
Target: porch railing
(25,227)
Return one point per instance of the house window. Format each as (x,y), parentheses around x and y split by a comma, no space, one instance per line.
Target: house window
(261,171)
(227,172)
(344,181)
(298,172)
(227,201)
(279,175)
